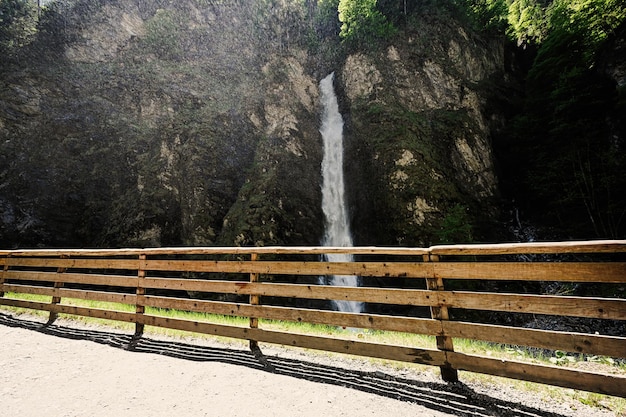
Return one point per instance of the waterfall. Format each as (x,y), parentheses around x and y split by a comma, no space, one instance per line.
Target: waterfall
(333,193)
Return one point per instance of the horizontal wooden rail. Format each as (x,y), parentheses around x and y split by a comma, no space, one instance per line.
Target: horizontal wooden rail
(124,264)
(592,246)
(68,277)
(541,271)
(107,297)
(319,292)
(409,290)
(536,271)
(569,342)
(369,269)
(568,378)
(603,308)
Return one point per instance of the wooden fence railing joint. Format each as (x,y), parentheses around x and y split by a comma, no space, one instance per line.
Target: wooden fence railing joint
(440,312)
(56,299)
(140,293)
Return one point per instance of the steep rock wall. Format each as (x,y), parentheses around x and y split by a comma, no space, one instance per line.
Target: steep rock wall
(421,168)
(147,123)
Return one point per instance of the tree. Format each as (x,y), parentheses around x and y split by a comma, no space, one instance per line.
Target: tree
(527,22)
(396,11)
(487,14)
(362,22)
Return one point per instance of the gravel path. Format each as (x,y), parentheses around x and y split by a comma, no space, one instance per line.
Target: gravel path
(68,369)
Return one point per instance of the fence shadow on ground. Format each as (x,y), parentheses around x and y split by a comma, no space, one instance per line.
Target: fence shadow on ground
(455,399)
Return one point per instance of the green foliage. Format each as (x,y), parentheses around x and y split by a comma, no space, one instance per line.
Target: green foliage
(18,24)
(527,21)
(456,226)
(362,22)
(531,21)
(591,21)
(399,11)
(524,21)
(487,14)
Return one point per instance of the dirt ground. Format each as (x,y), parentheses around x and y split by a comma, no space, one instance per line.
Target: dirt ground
(69,369)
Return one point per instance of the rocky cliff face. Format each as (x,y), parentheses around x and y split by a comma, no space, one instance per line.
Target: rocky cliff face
(420,134)
(144,123)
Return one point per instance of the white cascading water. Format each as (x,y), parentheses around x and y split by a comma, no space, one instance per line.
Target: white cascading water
(333,195)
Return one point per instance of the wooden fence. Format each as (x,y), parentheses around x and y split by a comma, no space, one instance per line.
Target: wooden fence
(441,291)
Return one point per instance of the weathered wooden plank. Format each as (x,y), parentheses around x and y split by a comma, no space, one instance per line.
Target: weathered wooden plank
(94,312)
(110,297)
(397,353)
(215,250)
(364,321)
(372,350)
(608,272)
(32,305)
(288,250)
(574,272)
(88,279)
(69,263)
(74,310)
(602,308)
(380,269)
(591,344)
(544,374)
(318,292)
(592,246)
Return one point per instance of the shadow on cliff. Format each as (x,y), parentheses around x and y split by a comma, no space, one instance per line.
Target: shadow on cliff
(454,399)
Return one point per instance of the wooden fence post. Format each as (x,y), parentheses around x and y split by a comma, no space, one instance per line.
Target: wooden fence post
(444,343)
(254,300)
(2,276)
(56,299)
(140,309)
